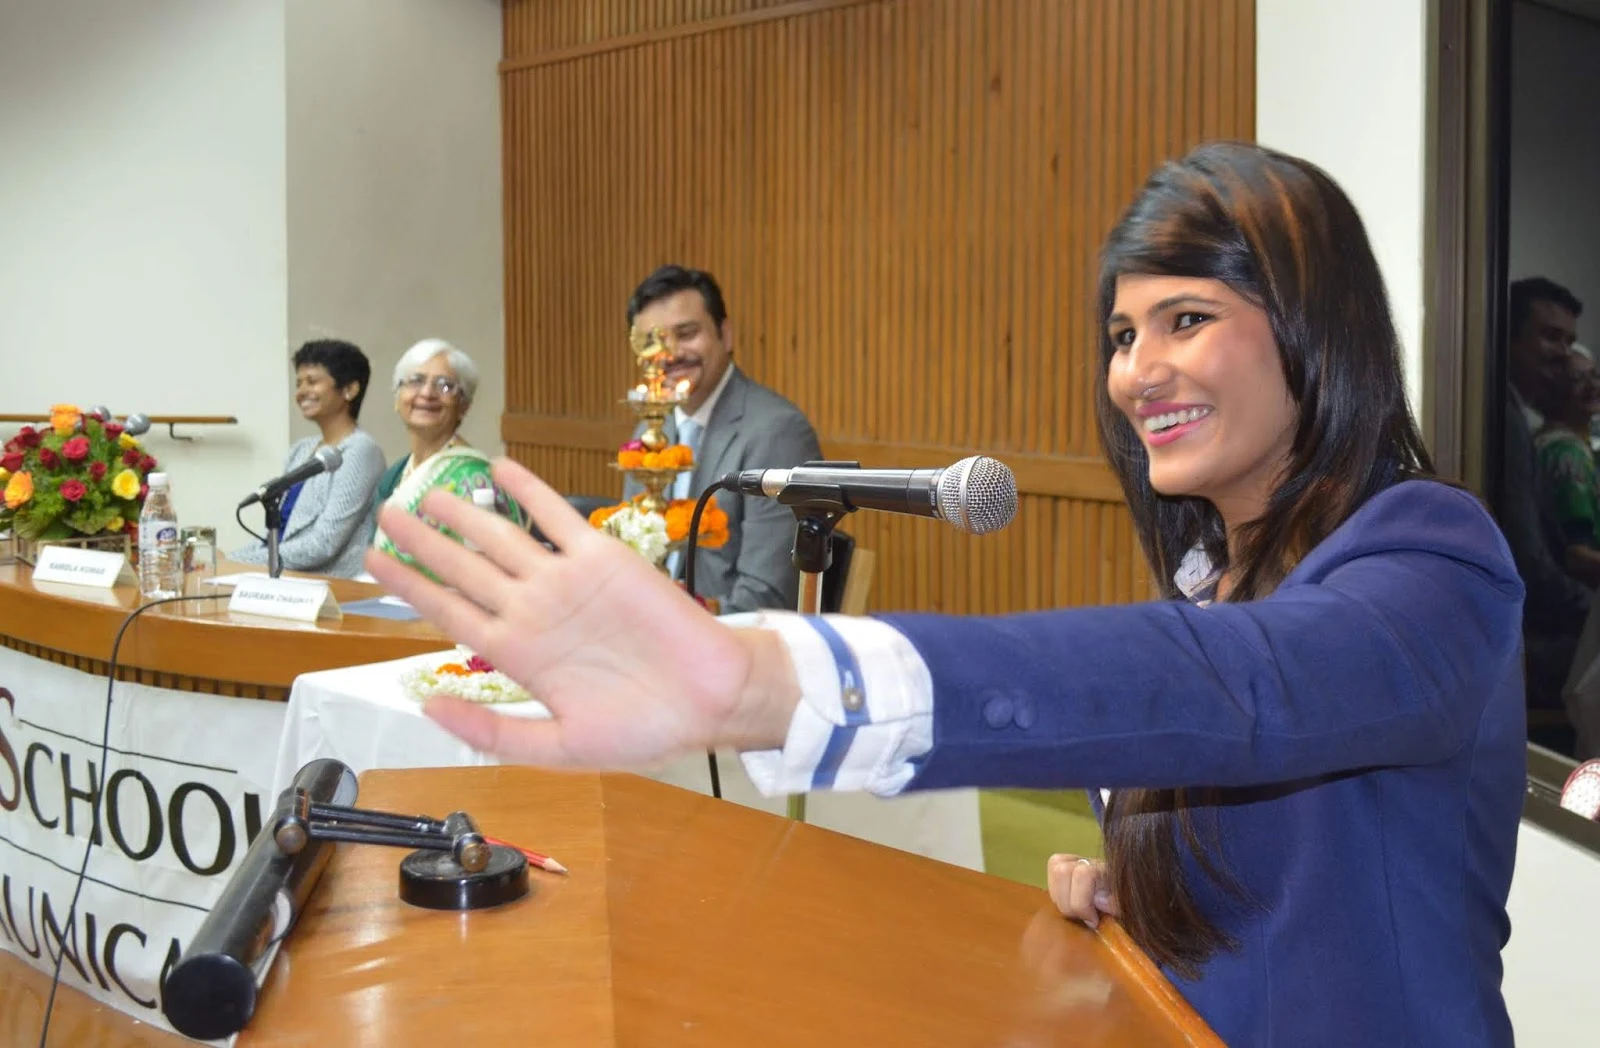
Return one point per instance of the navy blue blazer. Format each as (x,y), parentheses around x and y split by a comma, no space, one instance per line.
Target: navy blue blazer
(1366,724)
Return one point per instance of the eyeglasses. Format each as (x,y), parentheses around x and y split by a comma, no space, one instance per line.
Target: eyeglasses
(441,384)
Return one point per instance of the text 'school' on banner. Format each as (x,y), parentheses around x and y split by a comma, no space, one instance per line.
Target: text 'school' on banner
(171,812)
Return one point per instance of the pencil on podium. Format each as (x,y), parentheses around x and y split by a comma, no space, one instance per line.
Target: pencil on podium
(544,862)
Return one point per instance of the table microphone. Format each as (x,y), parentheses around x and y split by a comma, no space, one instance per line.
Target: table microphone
(134,425)
(211,992)
(326,460)
(976,495)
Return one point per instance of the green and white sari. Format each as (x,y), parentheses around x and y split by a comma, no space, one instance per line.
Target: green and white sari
(457,469)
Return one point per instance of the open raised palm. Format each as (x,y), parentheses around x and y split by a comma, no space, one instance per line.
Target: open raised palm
(631,669)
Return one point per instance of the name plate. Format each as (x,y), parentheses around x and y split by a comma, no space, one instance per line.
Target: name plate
(81,567)
(304,600)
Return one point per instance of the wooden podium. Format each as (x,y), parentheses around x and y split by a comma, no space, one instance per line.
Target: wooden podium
(690,921)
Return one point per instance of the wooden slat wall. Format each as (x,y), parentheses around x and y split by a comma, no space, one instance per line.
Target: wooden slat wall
(902,200)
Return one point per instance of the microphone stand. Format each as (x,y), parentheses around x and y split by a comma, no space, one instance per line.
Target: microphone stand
(304,819)
(818,508)
(272,506)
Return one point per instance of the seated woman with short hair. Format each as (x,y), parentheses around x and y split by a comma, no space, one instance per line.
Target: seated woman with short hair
(328,520)
(434,383)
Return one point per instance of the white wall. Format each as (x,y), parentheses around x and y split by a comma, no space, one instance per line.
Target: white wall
(394,190)
(189,189)
(1549,971)
(1555,154)
(1344,86)
(142,229)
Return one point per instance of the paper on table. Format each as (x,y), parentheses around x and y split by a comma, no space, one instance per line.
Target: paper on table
(233,580)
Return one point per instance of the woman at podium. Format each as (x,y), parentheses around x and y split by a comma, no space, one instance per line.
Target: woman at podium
(1312,748)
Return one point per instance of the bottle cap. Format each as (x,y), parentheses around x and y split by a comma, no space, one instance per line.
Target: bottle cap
(156,480)
(483,498)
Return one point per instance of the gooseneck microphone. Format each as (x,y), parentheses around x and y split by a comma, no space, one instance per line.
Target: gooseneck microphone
(211,992)
(326,460)
(976,495)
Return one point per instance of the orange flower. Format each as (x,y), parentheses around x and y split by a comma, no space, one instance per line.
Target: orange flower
(64,418)
(678,516)
(630,459)
(19,489)
(652,460)
(713,523)
(453,669)
(603,514)
(678,456)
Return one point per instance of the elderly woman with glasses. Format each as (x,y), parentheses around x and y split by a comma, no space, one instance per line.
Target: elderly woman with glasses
(434,383)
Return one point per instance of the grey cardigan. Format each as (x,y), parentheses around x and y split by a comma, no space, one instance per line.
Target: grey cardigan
(331,524)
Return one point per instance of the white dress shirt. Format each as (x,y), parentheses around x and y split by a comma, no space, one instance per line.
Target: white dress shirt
(865,716)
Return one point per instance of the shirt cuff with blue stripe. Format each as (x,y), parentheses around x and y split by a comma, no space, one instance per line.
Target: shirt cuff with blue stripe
(865,716)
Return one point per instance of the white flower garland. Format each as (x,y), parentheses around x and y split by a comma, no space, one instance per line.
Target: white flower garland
(422,682)
(645,532)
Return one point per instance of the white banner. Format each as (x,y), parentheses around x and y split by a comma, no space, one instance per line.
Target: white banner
(183,792)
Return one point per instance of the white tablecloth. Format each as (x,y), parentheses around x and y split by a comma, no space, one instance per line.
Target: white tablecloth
(360,716)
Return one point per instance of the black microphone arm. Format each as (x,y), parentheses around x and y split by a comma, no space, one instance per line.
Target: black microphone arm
(976,495)
(211,992)
(326,460)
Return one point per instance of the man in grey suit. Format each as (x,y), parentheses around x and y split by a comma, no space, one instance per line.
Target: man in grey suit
(732,423)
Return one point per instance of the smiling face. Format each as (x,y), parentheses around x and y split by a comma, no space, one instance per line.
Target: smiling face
(318,397)
(429,399)
(1196,370)
(700,350)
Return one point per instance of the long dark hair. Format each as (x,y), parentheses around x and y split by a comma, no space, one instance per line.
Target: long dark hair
(1279,232)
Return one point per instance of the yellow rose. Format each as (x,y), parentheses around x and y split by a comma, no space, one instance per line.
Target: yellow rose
(4,473)
(19,489)
(115,525)
(125,485)
(124,441)
(64,418)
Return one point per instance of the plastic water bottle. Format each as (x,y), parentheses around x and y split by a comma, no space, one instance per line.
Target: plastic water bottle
(160,553)
(483,498)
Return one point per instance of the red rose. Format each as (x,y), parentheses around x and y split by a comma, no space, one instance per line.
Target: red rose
(49,459)
(76,449)
(73,489)
(144,489)
(130,457)
(28,436)
(113,430)
(12,462)
(97,471)
(147,463)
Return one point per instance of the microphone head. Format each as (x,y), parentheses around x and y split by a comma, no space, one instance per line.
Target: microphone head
(977,495)
(331,458)
(100,411)
(136,423)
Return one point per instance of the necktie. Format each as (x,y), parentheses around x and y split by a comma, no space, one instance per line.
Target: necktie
(688,434)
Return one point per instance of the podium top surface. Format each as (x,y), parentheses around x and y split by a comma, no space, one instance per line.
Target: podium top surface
(199,646)
(690,921)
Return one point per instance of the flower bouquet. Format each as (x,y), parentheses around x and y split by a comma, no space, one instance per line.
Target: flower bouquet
(79,478)
(653,535)
(467,676)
